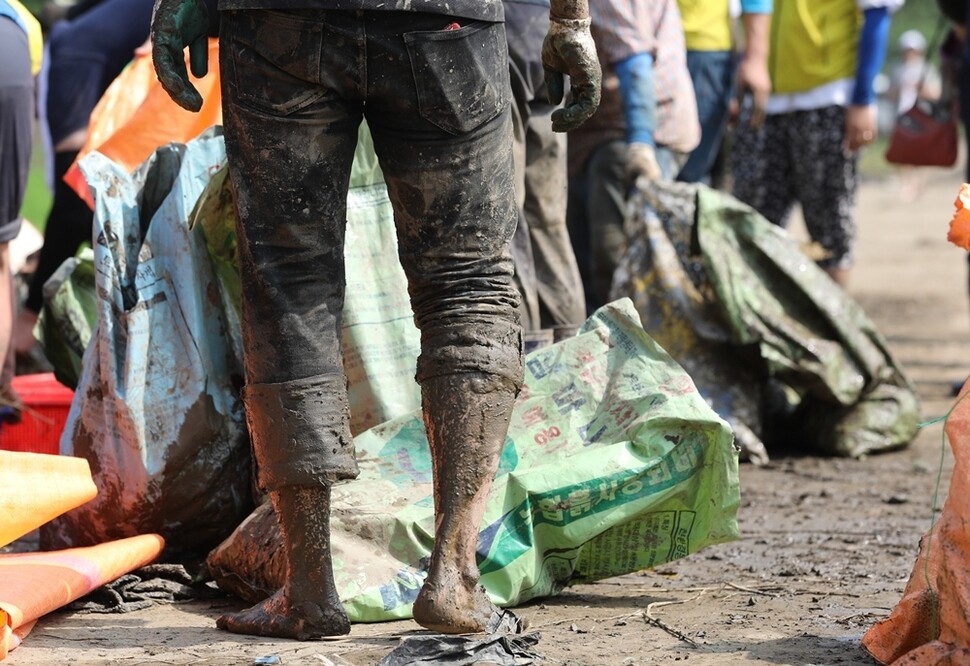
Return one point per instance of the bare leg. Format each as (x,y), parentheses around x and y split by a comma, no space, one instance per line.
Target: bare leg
(467,417)
(308,606)
(840,275)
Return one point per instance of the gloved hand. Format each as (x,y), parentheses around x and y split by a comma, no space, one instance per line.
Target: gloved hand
(641,160)
(175,25)
(568,49)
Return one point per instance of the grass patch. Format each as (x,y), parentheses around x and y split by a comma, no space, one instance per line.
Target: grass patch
(37,200)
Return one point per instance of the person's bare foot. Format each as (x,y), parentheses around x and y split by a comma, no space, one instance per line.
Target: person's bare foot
(453,606)
(277,617)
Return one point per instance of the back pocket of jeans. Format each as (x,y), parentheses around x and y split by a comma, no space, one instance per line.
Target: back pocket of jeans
(461,76)
(275,60)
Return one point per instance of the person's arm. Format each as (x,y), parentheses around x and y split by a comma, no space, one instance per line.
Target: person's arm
(79,8)
(639,99)
(860,119)
(568,49)
(753,76)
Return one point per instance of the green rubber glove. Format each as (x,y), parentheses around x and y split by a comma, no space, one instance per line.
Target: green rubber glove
(568,49)
(175,25)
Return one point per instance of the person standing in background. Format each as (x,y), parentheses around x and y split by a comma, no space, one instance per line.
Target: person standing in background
(712,64)
(823,59)
(86,52)
(20,52)
(645,126)
(545,267)
(912,77)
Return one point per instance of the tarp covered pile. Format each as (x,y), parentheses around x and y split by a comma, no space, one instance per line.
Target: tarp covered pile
(778,349)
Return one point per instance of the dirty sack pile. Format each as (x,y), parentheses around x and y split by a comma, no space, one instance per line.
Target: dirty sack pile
(778,349)
(613,462)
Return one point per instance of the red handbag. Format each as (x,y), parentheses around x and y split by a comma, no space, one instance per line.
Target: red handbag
(926,135)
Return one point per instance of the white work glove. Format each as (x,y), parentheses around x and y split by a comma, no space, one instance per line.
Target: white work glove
(641,161)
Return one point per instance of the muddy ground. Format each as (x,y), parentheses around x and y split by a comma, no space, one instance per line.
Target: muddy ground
(827,545)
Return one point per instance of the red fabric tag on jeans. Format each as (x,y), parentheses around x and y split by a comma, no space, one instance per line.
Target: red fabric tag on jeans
(452,26)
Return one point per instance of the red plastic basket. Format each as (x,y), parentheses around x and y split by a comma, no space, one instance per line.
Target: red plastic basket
(46,404)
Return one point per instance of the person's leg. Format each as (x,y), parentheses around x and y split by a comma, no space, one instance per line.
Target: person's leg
(517,25)
(712,73)
(541,171)
(762,167)
(561,297)
(578,226)
(10,403)
(825,184)
(69,224)
(291,130)
(448,164)
(963,90)
(606,210)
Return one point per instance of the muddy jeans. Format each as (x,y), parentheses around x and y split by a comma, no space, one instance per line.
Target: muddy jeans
(296,85)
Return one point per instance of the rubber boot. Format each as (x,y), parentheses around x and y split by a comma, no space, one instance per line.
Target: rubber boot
(467,418)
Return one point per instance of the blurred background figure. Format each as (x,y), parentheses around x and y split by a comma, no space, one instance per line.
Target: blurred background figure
(20,50)
(86,51)
(545,267)
(646,126)
(714,66)
(824,60)
(913,77)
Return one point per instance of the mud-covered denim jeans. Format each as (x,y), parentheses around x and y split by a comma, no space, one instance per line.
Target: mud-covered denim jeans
(434,91)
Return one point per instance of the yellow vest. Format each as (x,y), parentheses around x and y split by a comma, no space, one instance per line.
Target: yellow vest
(34,35)
(813,42)
(707,24)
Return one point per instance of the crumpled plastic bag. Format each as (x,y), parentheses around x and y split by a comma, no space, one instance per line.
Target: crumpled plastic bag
(156,411)
(69,316)
(770,340)
(503,644)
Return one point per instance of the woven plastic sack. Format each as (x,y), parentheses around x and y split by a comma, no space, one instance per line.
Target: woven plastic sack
(928,627)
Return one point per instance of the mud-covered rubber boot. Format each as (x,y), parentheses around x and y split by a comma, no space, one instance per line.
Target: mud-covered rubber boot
(467,418)
(308,606)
